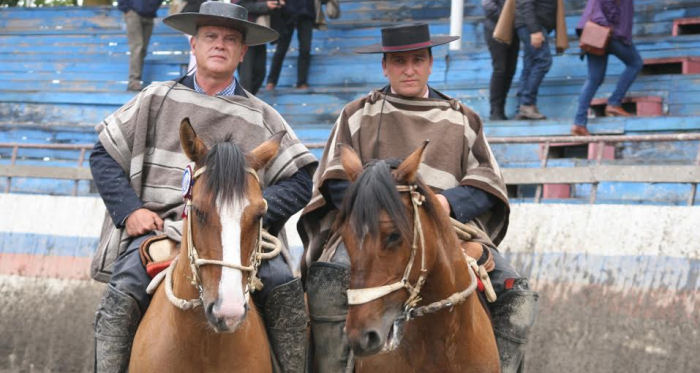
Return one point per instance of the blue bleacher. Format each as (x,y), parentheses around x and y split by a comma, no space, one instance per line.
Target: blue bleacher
(64,69)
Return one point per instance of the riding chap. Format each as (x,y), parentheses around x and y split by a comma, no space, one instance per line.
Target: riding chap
(458,165)
(138,165)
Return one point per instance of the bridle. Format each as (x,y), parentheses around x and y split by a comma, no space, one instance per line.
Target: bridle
(264,240)
(366,295)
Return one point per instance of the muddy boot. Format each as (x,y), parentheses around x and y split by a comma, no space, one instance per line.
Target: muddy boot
(116,322)
(327,285)
(513,316)
(286,322)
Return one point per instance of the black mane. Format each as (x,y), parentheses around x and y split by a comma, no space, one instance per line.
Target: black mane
(226,174)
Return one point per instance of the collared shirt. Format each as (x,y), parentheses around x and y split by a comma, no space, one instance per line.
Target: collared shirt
(228,91)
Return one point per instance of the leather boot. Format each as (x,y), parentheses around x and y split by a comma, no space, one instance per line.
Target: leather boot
(326,288)
(116,321)
(286,322)
(529,112)
(513,316)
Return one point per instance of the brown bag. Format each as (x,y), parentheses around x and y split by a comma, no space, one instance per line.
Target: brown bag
(503,31)
(595,38)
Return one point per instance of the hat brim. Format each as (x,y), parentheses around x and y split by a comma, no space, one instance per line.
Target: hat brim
(188,22)
(434,41)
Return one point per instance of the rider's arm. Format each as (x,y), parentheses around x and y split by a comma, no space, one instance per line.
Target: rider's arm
(333,190)
(285,198)
(467,202)
(111,181)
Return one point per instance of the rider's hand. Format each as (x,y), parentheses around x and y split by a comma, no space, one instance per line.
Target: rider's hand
(443,202)
(142,221)
(536,39)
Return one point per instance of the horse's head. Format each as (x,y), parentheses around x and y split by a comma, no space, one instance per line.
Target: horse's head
(388,225)
(223,226)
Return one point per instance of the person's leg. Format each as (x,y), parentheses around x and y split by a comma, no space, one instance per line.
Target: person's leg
(246,68)
(123,304)
(326,289)
(259,60)
(305,27)
(511,64)
(541,63)
(524,36)
(281,301)
(134,35)
(278,57)
(633,65)
(513,313)
(146,32)
(596,73)
(497,86)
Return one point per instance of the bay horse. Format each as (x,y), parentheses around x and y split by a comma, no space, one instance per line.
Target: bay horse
(201,317)
(412,305)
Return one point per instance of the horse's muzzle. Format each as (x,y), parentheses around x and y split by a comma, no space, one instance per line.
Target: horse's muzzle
(225,321)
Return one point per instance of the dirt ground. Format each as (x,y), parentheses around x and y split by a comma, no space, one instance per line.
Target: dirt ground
(46,326)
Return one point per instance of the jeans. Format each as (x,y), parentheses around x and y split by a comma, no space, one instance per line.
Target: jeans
(138,33)
(536,64)
(504,60)
(304,27)
(597,66)
(252,70)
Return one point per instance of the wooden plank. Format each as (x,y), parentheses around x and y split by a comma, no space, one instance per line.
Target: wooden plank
(594,174)
(42,172)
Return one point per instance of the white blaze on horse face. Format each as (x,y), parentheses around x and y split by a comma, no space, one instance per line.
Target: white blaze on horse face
(231,293)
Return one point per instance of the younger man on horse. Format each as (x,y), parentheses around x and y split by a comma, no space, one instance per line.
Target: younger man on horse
(137,165)
(458,164)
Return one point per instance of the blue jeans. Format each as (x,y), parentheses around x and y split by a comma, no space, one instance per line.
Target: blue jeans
(536,64)
(596,73)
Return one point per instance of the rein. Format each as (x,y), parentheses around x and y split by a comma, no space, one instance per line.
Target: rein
(265,240)
(366,295)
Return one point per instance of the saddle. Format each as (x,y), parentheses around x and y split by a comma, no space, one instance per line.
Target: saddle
(157,252)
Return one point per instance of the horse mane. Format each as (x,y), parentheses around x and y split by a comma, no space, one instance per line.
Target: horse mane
(374,191)
(226,171)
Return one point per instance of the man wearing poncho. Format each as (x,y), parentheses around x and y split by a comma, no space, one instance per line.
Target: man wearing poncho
(138,164)
(457,164)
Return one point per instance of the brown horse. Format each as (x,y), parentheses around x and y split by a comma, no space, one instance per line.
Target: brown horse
(201,318)
(412,301)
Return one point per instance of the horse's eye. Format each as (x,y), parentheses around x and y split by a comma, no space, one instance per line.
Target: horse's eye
(394,238)
(201,215)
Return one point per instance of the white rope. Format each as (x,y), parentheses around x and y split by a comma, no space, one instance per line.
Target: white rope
(177,302)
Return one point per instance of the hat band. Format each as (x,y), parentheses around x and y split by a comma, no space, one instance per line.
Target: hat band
(424,44)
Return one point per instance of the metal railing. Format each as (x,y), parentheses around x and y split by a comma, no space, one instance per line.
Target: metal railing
(592,174)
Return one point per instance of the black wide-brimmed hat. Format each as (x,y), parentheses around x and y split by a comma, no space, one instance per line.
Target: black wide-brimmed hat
(406,38)
(218,13)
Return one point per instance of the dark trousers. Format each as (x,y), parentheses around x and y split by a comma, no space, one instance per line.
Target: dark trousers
(536,64)
(304,27)
(251,72)
(597,65)
(504,60)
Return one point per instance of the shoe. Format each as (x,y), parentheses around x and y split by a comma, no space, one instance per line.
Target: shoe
(498,116)
(134,87)
(270,87)
(302,86)
(577,130)
(616,111)
(529,112)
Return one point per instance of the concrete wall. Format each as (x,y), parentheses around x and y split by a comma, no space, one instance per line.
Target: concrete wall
(618,284)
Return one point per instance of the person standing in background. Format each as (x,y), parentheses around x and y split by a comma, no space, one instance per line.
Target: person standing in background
(251,72)
(299,15)
(504,60)
(138,15)
(618,15)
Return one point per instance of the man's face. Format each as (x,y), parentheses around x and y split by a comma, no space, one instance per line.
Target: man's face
(408,72)
(218,50)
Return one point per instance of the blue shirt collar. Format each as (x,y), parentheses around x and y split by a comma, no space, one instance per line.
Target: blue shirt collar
(228,91)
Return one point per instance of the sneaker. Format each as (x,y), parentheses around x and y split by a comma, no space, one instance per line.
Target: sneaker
(616,111)
(270,87)
(498,116)
(577,130)
(134,87)
(302,86)
(529,112)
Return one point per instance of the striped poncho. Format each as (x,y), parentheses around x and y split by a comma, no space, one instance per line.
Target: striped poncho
(143,138)
(381,126)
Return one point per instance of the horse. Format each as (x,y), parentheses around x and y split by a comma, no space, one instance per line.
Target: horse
(412,304)
(201,317)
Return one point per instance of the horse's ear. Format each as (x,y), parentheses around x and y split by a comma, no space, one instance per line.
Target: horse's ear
(260,156)
(193,147)
(351,161)
(408,169)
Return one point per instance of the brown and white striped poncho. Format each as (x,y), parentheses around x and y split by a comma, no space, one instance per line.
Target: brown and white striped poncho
(143,139)
(458,154)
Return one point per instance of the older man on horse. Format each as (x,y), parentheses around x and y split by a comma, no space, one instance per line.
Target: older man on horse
(137,166)
(390,123)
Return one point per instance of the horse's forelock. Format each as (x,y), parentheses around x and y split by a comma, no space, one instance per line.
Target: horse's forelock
(373,192)
(226,172)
